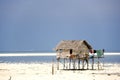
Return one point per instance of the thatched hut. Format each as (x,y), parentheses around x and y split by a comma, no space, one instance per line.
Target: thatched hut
(73,49)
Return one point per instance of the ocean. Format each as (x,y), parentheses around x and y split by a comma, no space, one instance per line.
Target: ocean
(47,58)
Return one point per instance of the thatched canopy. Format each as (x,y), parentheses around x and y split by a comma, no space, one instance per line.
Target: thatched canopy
(72,44)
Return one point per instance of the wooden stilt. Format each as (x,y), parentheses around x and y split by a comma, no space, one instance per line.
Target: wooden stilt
(53,67)
(103,61)
(93,62)
(87,63)
(98,63)
(83,64)
(70,63)
(73,63)
(78,63)
(64,64)
(58,64)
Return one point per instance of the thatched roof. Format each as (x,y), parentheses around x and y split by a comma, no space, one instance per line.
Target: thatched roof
(72,44)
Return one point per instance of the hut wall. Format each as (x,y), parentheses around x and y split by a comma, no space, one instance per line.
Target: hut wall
(81,52)
(65,53)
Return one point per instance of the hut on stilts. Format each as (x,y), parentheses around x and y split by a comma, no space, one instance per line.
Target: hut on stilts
(97,54)
(73,52)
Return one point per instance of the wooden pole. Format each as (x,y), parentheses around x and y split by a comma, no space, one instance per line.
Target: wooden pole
(73,63)
(83,64)
(58,64)
(70,63)
(103,61)
(92,62)
(87,60)
(98,63)
(67,63)
(53,67)
(78,63)
(64,64)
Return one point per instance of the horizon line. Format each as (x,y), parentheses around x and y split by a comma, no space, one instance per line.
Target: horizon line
(43,54)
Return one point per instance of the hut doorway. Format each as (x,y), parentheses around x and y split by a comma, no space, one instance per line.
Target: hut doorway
(71,51)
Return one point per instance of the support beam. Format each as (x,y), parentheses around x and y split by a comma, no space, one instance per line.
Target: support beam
(83,64)
(98,63)
(73,63)
(64,64)
(87,61)
(70,63)
(53,67)
(92,62)
(78,63)
(58,64)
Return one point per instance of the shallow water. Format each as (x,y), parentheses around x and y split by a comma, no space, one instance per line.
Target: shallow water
(41,58)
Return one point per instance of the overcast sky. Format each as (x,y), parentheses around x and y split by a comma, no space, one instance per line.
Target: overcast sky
(38,25)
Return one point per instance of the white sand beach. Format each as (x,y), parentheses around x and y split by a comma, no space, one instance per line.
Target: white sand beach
(43,71)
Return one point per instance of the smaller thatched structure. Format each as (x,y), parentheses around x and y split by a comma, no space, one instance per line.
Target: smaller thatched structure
(66,48)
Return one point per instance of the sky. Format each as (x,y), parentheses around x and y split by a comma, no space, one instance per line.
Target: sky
(39,25)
